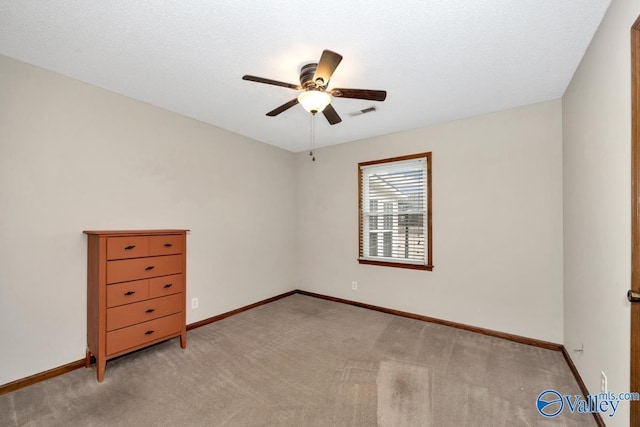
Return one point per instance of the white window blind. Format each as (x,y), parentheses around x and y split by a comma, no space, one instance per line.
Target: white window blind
(393,211)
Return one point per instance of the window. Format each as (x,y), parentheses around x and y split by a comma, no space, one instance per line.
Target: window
(395,212)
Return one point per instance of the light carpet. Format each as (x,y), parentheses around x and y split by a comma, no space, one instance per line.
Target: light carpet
(303,361)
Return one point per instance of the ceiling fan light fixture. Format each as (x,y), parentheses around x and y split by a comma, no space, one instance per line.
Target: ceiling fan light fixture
(314,101)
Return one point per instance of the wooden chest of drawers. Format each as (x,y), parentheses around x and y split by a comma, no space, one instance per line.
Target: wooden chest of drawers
(136,291)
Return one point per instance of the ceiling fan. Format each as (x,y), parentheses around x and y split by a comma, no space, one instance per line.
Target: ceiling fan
(315,97)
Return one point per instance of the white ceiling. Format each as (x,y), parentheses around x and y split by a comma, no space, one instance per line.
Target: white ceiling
(438,60)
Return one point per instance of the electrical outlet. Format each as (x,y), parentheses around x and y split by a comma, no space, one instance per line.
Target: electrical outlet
(194,303)
(354,286)
(603,382)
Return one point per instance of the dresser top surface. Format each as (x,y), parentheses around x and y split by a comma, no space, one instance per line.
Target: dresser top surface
(135,232)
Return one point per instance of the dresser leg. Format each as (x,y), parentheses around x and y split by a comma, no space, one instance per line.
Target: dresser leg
(101,365)
(183,340)
(87,359)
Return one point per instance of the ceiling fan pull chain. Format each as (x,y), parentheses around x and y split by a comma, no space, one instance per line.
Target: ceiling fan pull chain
(313,136)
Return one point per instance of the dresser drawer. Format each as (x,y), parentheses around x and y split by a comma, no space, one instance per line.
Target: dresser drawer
(142,268)
(138,312)
(142,333)
(127,292)
(165,245)
(167,285)
(127,247)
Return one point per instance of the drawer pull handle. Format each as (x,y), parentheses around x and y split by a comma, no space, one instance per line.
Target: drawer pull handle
(151,310)
(168,285)
(128,248)
(149,332)
(151,267)
(167,245)
(130,293)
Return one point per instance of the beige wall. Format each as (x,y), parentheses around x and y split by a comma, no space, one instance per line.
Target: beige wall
(597,191)
(497,223)
(76,157)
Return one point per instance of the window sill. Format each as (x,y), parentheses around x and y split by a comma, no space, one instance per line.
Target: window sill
(396,264)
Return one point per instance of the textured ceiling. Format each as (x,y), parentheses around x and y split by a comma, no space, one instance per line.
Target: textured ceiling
(438,60)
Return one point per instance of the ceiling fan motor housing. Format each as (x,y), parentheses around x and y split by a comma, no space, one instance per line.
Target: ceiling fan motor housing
(306,76)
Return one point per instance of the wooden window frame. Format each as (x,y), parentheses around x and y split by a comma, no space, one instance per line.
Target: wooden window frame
(429,231)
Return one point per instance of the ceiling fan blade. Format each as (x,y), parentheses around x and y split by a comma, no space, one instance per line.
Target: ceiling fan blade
(331,115)
(270,82)
(283,107)
(328,63)
(372,95)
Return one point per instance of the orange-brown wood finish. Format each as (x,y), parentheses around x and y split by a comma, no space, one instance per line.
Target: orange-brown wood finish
(167,285)
(123,270)
(143,333)
(635,218)
(127,247)
(138,312)
(135,291)
(127,292)
(165,245)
